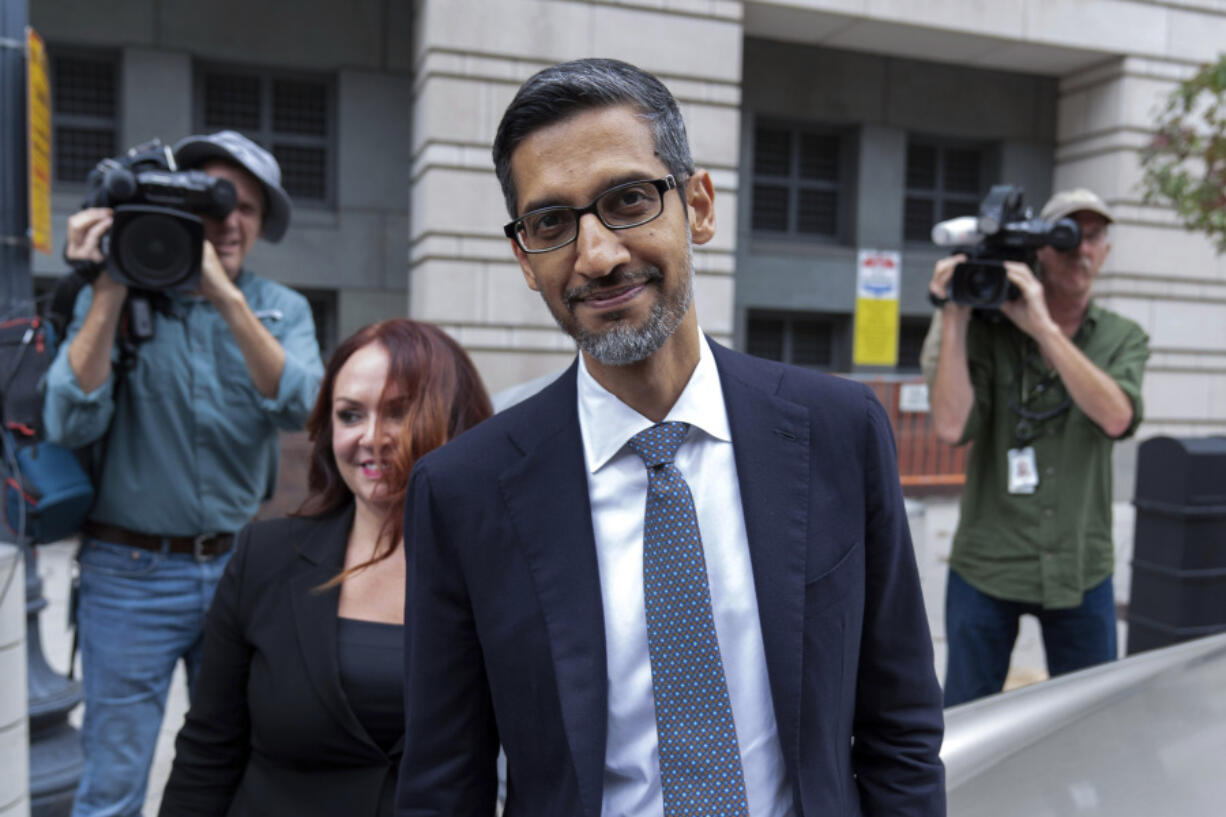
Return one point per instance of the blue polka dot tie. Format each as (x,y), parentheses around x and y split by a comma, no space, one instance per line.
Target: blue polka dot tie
(700,762)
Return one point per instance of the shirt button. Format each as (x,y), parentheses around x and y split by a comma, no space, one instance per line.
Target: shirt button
(1049,513)
(1051,470)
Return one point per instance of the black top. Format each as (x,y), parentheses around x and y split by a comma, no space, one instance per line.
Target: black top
(371,660)
(271,730)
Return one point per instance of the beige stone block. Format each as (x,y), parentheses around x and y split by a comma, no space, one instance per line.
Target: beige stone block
(464,110)
(448,291)
(1179,397)
(1165,251)
(1118,26)
(538,29)
(1002,18)
(714,297)
(714,133)
(504,369)
(448,200)
(658,43)
(1196,35)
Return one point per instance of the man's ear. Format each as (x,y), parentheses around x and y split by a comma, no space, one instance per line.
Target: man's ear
(525,267)
(700,203)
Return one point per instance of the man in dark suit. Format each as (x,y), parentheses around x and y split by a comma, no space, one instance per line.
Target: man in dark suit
(678,580)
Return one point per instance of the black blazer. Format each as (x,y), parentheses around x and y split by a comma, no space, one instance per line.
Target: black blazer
(505,628)
(269,731)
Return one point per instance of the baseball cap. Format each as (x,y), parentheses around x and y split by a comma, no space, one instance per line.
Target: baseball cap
(194,151)
(1067,202)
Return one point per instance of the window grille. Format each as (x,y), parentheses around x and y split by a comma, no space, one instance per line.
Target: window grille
(797,181)
(291,115)
(801,339)
(943,181)
(84,100)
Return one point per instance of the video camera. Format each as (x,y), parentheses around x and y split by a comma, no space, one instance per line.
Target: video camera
(157,236)
(1004,230)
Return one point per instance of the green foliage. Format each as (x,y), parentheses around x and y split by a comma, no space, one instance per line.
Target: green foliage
(1184,165)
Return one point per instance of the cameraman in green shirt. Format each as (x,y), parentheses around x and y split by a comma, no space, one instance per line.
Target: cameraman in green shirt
(1043,395)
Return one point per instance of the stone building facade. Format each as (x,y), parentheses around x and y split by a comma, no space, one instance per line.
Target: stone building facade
(829,126)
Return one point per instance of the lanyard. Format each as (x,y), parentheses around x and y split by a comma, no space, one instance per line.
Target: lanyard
(1030,422)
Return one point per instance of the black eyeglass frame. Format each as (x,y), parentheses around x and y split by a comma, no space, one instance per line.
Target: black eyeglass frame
(662,186)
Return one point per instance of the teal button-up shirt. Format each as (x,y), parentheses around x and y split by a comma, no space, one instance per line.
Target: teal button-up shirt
(193,445)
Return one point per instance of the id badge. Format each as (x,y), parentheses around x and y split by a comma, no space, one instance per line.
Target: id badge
(1023,473)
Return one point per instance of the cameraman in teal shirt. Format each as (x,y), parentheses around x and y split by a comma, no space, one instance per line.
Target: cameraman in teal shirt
(189,452)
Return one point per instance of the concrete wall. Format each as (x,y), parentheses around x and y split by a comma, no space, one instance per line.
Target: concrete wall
(359,246)
(471,57)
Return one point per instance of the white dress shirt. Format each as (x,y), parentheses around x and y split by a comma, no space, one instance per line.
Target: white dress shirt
(617,487)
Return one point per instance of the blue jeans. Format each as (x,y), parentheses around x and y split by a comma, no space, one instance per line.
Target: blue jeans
(140,612)
(981,630)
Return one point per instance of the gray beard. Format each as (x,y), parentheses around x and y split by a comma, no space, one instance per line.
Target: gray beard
(623,344)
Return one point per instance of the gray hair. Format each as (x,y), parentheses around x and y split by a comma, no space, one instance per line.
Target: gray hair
(563,90)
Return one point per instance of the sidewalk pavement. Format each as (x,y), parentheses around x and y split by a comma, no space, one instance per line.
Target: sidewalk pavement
(932,520)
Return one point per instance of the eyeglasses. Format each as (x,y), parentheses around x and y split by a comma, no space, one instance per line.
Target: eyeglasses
(618,208)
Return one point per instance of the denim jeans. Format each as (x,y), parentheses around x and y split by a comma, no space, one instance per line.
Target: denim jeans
(980,631)
(140,612)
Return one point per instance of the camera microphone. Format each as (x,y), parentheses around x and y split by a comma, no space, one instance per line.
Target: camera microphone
(962,231)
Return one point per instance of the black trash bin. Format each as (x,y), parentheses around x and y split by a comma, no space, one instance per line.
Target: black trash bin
(1179,545)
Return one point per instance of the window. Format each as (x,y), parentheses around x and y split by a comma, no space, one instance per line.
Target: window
(815,341)
(324,314)
(911,334)
(290,114)
(85,105)
(943,181)
(798,181)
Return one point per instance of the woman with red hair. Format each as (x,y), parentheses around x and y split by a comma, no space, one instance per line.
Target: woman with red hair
(298,708)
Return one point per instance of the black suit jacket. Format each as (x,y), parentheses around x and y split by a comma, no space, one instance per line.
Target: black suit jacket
(504,624)
(270,731)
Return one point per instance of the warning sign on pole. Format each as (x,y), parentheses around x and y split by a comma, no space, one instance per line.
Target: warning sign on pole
(38,103)
(877,294)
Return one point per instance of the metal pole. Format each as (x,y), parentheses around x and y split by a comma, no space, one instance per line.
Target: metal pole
(55,750)
(15,288)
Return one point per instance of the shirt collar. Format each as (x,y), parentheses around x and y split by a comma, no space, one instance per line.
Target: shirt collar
(607,424)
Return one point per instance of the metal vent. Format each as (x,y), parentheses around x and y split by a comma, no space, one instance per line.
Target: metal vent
(962,171)
(812,343)
(232,101)
(77,150)
(917,219)
(770,207)
(765,338)
(289,115)
(772,152)
(819,157)
(817,212)
(303,170)
(84,87)
(300,107)
(921,167)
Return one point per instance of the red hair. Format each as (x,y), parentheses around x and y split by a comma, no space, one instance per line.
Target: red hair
(433,381)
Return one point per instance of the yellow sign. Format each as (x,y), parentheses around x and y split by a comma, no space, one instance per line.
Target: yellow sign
(875,341)
(876,338)
(38,101)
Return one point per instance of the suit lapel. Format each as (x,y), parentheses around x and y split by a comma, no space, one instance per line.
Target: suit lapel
(770,438)
(320,557)
(547,495)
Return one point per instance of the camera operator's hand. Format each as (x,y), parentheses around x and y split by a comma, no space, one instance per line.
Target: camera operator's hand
(215,283)
(85,231)
(1029,312)
(942,273)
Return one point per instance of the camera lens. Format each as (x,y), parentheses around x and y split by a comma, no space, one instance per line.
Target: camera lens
(156,250)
